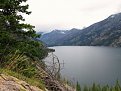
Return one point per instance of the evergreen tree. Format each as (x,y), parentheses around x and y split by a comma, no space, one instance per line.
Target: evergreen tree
(94,87)
(78,88)
(11,14)
(85,88)
(19,51)
(117,86)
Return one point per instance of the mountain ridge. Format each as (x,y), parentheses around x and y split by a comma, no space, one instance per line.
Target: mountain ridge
(103,33)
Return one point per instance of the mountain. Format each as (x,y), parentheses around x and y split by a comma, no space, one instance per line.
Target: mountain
(40,32)
(104,33)
(52,38)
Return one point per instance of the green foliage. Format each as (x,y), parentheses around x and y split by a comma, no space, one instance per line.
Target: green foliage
(95,87)
(20,63)
(78,88)
(11,15)
(15,35)
(32,49)
(85,88)
(32,81)
(19,50)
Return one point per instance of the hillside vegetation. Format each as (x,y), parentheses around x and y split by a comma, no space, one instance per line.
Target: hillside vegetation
(20,53)
(18,49)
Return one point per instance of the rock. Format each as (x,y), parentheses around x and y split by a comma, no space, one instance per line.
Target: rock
(9,83)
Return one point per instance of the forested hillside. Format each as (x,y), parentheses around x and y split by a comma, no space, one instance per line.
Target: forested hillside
(20,53)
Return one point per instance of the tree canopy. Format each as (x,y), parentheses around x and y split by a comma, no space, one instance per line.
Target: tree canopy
(19,49)
(11,15)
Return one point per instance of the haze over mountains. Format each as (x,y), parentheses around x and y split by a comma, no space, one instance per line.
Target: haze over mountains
(104,33)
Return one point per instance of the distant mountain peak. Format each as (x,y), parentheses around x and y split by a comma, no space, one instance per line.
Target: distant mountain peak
(75,29)
(62,32)
(112,16)
(104,33)
(115,15)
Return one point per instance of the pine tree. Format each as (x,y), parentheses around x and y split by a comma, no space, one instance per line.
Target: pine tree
(117,86)
(85,88)
(78,88)
(11,14)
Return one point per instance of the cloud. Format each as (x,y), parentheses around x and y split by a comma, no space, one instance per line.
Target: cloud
(64,14)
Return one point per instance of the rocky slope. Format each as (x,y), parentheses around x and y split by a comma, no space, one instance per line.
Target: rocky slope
(10,83)
(104,33)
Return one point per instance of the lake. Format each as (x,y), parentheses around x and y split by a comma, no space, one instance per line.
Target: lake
(87,64)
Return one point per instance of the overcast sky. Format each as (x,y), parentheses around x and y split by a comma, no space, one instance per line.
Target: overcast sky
(48,15)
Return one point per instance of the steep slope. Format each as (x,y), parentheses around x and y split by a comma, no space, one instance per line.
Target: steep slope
(10,83)
(51,37)
(104,33)
(56,36)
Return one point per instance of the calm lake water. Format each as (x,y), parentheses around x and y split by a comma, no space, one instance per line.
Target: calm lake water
(101,65)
